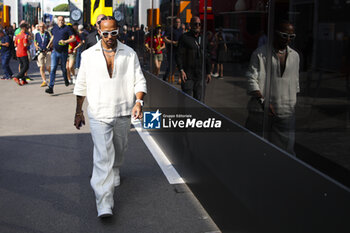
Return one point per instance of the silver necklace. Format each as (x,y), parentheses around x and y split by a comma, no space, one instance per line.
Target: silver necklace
(109,50)
(106,54)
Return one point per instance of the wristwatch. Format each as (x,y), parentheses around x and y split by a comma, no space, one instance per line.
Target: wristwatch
(139,101)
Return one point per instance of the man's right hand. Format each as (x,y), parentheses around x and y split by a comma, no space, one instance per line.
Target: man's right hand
(183,76)
(79,120)
(272,111)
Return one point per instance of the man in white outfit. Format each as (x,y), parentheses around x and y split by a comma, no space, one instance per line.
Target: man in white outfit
(284,86)
(111,79)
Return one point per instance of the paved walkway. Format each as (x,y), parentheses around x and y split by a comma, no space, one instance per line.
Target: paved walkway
(45,167)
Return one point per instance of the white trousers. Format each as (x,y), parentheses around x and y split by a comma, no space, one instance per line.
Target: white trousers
(110,139)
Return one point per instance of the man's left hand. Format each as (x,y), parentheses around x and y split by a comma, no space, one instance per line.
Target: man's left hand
(208,78)
(137,111)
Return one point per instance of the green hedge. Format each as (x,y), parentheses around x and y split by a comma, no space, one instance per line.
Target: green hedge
(61,7)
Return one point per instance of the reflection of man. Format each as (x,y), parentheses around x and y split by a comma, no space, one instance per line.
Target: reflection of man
(177,32)
(189,60)
(284,88)
(62,35)
(111,93)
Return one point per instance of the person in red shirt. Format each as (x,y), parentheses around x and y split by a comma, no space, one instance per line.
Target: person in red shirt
(72,53)
(157,47)
(21,42)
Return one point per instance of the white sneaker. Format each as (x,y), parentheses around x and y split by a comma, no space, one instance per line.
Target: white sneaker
(74,79)
(116,177)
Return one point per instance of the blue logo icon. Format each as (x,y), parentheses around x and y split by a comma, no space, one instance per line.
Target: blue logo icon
(151,120)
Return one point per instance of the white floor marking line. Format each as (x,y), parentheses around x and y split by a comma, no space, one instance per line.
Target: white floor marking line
(163,162)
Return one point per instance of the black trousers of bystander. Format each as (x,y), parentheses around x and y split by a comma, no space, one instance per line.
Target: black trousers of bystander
(23,66)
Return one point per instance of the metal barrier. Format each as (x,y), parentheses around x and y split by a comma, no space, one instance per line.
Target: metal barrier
(245,183)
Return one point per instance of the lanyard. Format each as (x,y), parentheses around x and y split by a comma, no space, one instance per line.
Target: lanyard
(42,39)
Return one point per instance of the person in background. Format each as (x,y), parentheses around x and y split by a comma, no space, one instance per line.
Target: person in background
(123,36)
(187,27)
(92,38)
(221,52)
(21,42)
(41,42)
(131,37)
(72,53)
(87,28)
(31,47)
(189,60)
(17,31)
(35,30)
(82,35)
(177,32)
(14,26)
(140,38)
(62,35)
(5,43)
(212,47)
(10,32)
(183,26)
(157,49)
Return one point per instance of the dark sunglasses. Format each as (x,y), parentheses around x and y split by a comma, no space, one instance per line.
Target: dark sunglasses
(105,34)
(286,36)
(196,24)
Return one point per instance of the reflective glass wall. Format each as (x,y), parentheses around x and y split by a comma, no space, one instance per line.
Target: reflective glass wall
(279,68)
(322,132)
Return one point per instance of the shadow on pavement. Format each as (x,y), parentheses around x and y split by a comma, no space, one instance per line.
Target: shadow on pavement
(44,187)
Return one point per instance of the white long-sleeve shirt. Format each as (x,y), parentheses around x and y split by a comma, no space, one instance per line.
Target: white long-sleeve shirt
(284,87)
(110,97)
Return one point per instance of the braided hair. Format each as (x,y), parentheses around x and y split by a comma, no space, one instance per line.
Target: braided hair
(108,18)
